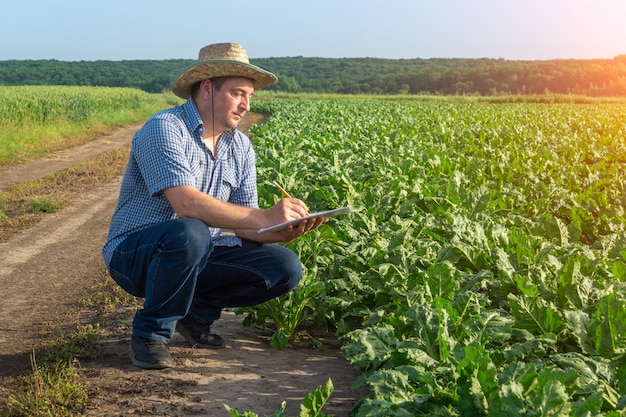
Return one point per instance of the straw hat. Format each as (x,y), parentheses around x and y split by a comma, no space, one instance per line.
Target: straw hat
(221,60)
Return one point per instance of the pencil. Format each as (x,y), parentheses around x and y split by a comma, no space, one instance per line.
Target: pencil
(282,190)
(285,193)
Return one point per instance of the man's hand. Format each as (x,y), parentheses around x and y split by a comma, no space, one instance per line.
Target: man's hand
(285,210)
(295,231)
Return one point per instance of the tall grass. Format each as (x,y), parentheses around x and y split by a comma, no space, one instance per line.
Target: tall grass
(36,120)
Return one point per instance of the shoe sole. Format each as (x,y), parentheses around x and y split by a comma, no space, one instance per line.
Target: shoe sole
(184,333)
(146,365)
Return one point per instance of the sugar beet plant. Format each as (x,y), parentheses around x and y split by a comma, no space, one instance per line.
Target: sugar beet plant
(482,269)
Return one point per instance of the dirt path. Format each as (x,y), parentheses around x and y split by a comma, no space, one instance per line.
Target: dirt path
(33,170)
(46,269)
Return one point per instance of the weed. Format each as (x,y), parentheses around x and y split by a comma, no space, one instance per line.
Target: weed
(52,388)
(44,205)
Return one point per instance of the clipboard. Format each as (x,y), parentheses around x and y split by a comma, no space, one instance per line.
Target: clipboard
(327,213)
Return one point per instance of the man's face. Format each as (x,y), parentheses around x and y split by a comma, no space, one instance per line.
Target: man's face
(232,101)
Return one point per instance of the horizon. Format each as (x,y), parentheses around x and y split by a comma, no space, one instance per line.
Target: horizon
(617,57)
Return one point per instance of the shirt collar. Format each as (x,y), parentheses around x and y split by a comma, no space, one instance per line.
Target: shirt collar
(192,117)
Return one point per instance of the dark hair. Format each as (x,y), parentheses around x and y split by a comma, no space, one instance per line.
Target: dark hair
(218,82)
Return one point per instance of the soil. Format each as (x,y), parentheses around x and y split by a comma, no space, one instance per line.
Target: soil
(45,270)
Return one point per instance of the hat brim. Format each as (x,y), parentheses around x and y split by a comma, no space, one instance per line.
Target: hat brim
(220,68)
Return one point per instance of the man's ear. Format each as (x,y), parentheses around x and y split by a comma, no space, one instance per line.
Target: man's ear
(207,86)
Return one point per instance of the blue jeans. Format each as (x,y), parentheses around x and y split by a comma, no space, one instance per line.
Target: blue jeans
(177,269)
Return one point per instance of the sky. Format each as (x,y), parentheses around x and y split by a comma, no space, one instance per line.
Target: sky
(89,30)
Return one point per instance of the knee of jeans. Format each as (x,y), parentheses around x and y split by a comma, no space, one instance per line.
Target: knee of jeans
(293,271)
(193,235)
(294,280)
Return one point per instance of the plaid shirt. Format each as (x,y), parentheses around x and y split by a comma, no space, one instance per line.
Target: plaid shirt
(168,151)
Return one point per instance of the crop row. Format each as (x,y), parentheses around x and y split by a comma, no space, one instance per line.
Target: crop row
(481,270)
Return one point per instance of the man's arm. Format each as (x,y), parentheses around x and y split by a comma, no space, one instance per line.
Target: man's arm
(187,201)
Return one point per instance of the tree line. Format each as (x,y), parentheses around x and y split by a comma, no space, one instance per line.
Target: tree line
(440,76)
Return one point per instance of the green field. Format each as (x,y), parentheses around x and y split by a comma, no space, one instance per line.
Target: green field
(35,120)
(482,269)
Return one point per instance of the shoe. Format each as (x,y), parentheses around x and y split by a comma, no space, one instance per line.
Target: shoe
(198,334)
(149,354)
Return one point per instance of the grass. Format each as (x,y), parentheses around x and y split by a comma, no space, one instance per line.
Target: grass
(44,129)
(45,205)
(52,389)
(53,386)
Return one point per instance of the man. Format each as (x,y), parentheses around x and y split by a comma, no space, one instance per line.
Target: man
(190,175)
